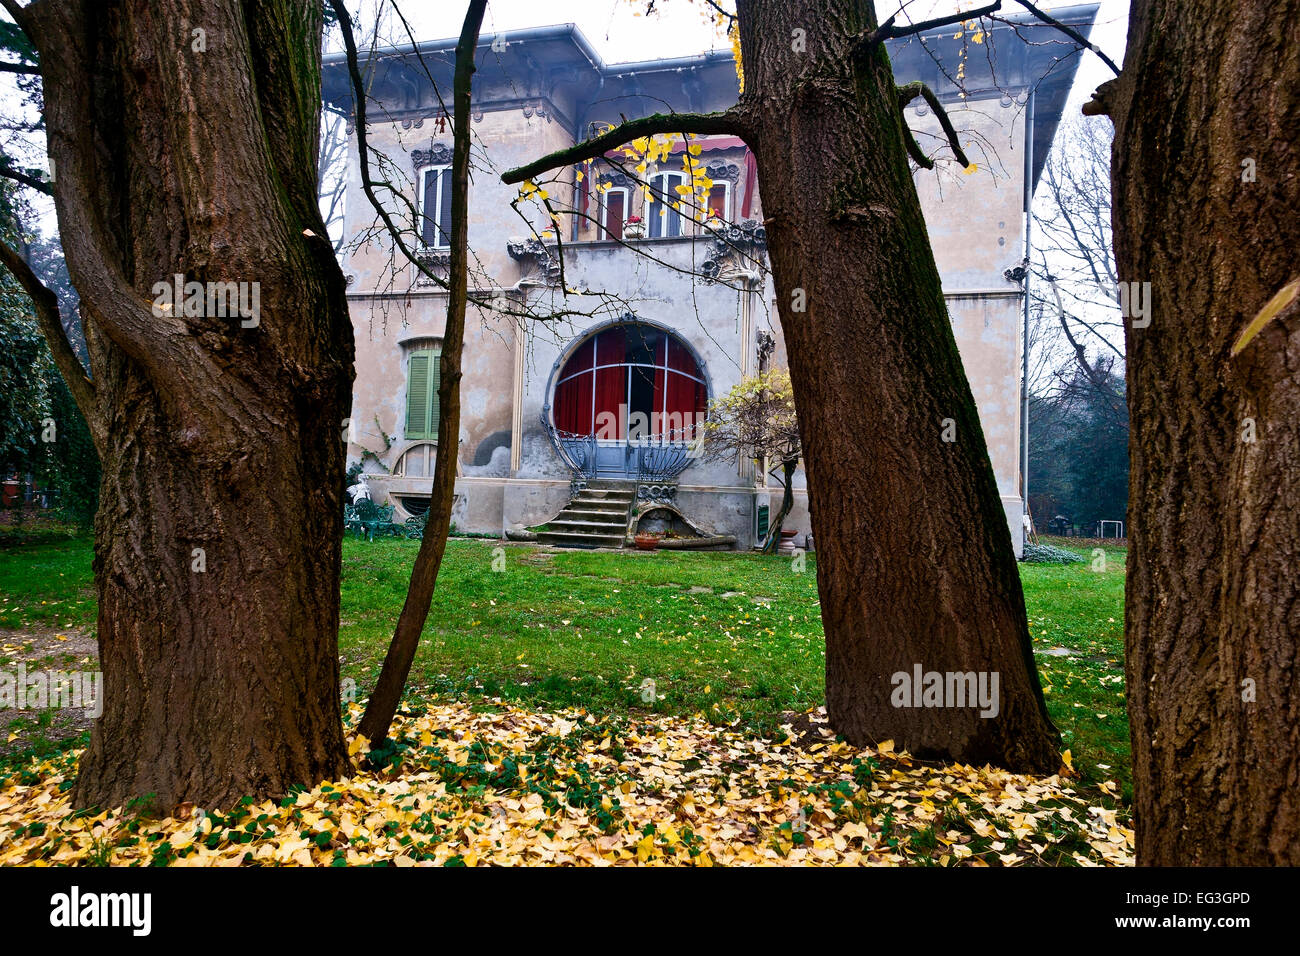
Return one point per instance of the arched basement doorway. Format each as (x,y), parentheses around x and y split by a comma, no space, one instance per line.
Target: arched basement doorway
(627,400)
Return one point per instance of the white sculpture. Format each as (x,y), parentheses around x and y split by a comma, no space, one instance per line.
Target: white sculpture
(360,491)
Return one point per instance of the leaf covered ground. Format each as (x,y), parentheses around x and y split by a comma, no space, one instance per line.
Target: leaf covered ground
(505,784)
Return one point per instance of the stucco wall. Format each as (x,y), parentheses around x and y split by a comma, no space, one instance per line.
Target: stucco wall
(975,224)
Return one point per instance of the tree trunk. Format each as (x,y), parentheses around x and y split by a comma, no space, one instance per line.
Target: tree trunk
(382,706)
(914,557)
(183,137)
(787,503)
(1206,188)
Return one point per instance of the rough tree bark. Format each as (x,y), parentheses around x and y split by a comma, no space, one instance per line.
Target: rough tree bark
(183,139)
(1206,188)
(915,561)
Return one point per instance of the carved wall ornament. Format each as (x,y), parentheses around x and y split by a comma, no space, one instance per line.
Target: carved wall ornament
(616,179)
(538,263)
(651,493)
(766,346)
(437,261)
(538,108)
(718,170)
(740,245)
(438,154)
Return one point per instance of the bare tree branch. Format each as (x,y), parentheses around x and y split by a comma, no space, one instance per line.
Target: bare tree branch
(1069,31)
(26,178)
(46,304)
(729,121)
(916,88)
(888,31)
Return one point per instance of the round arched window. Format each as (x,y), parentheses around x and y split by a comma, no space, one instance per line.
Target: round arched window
(631,381)
(417,461)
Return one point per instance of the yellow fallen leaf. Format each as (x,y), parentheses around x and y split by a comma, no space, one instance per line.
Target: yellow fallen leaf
(1285,296)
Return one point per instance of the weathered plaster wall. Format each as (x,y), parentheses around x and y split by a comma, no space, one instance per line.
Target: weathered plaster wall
(975,224)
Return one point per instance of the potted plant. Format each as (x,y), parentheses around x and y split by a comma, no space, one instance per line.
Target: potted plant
(646,542)
(633,228)
(713,224)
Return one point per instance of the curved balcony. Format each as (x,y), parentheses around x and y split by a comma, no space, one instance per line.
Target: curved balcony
(645,459)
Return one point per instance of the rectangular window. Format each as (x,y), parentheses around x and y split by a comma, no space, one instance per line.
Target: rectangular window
(614,209)
(665,221)
(435,207)
(423,373)
(719,204)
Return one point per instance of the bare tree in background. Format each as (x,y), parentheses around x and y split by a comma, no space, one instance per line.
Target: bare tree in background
(332,174)
(1076,328)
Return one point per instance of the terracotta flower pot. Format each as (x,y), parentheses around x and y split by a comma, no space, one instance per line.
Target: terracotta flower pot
(646,542)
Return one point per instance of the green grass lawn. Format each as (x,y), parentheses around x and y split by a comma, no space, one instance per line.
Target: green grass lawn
(736,637)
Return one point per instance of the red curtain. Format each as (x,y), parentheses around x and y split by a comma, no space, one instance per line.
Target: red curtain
(685,396)
(657,418)
(678,398)
(751,184)
(611,383)
(573,397)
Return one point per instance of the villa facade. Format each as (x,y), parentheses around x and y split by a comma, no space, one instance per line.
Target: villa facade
(665,309)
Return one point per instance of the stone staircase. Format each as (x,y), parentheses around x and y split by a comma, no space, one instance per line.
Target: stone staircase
(596,518)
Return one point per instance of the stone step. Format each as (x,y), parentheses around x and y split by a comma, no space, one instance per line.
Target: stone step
(601,504)
(562,524)
(576,539)
(593,514)
(596,517)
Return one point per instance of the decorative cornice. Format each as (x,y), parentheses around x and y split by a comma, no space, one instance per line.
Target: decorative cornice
(541,266)
(414,118)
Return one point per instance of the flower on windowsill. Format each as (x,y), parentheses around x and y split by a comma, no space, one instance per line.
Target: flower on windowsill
(633,227)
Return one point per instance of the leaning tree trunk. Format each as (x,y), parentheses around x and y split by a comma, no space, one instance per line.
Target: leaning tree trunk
(1206,189)
(914,557)
(183,138)
(788,469)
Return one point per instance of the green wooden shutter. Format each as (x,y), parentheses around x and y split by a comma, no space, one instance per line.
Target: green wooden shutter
(417,396)
(435,380)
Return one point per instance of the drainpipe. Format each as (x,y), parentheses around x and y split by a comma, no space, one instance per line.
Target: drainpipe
(1029,218)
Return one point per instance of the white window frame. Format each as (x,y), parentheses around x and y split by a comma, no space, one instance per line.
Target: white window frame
(669,194)
(726,201)
(604,209)
(443,170)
